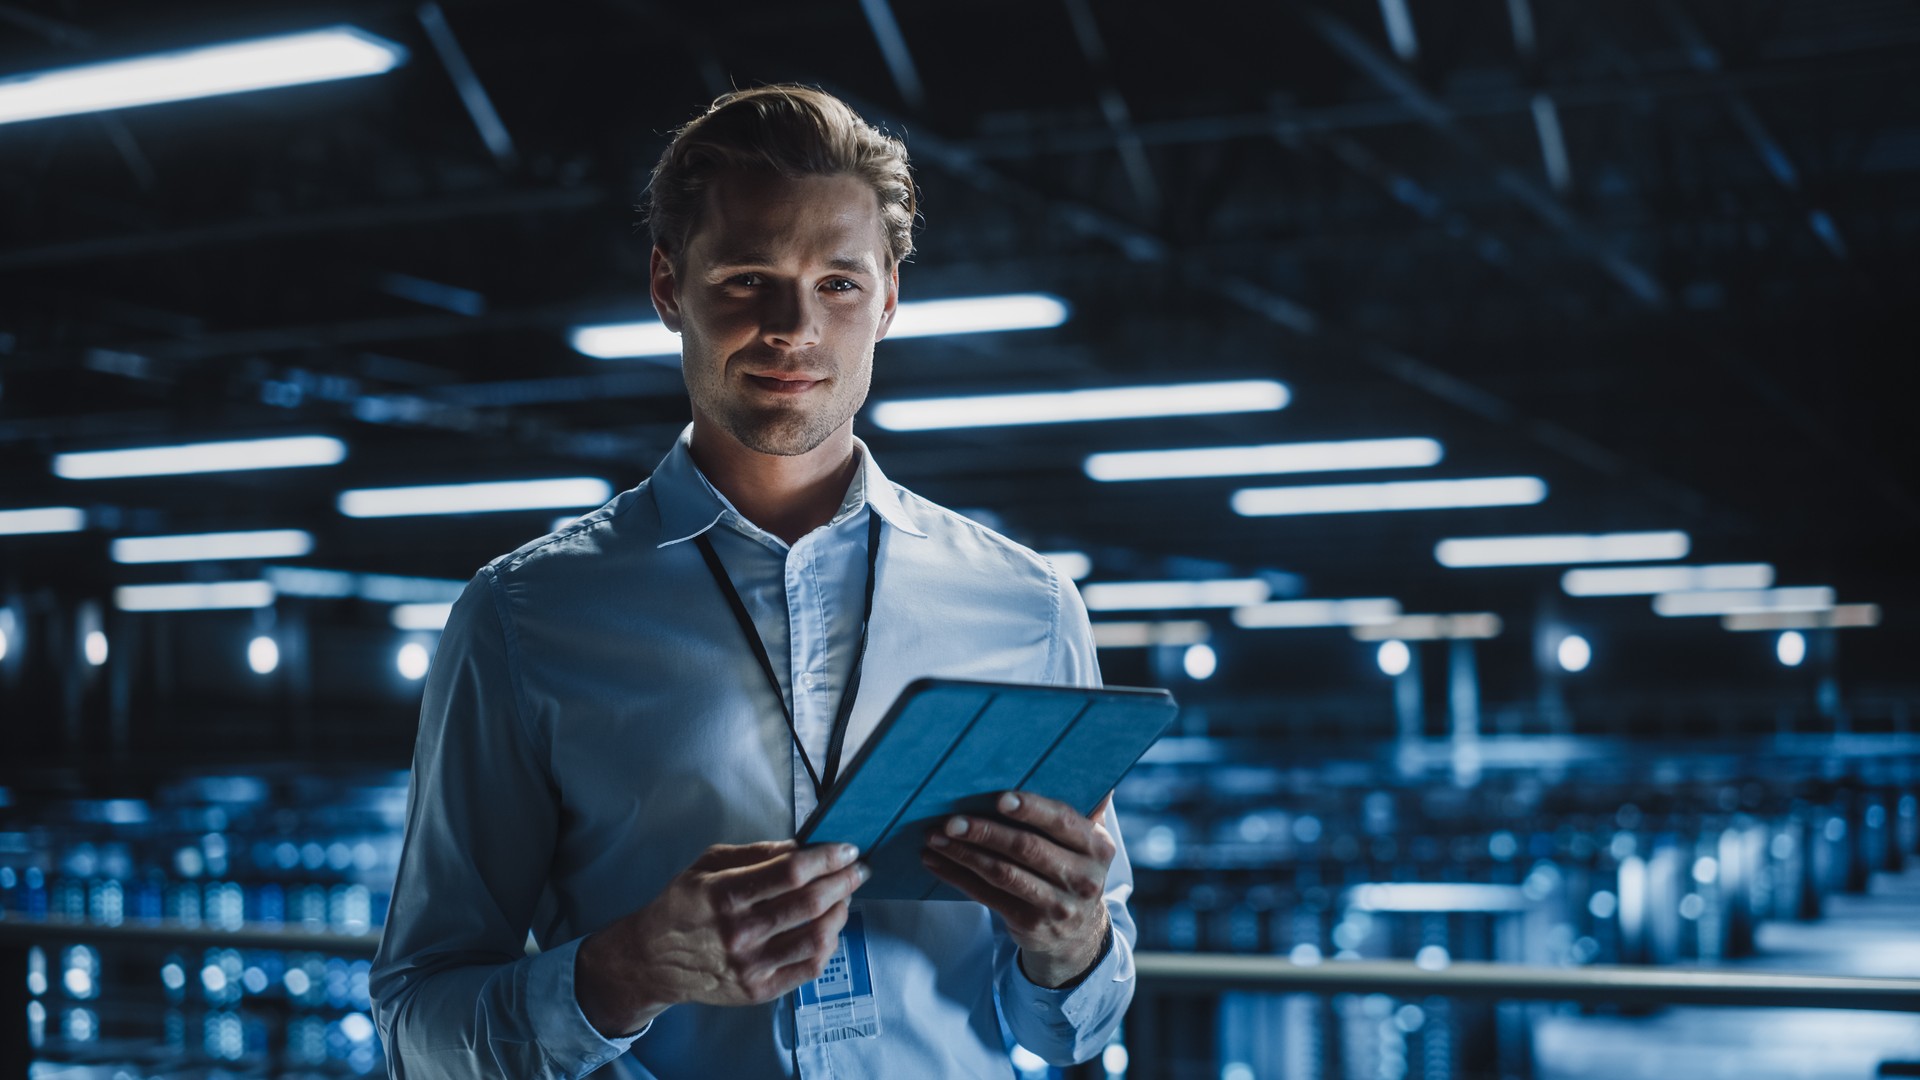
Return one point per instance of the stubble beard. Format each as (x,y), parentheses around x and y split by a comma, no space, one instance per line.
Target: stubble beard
(783,431)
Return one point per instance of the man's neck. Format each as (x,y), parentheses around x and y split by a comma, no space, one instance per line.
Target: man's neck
(787,496)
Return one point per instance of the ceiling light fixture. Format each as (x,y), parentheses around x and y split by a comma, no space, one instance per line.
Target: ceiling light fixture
(338,52)
(480,498)
(1264,460)
(228,456)
(1398,495)
(1567,548)
(1647,580)
(1077,406)
(1311,614)
(42,519)
(1173,595)
(206,547)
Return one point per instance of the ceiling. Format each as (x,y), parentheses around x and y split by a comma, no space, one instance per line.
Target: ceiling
(1693,322)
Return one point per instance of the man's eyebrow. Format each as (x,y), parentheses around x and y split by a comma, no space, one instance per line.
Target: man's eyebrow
(854,264)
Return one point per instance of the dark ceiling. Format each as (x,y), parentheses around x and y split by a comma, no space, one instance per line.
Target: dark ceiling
(1697,325)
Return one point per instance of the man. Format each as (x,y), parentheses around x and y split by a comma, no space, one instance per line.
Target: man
(626,716)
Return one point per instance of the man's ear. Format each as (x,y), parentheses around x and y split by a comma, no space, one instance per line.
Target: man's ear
(665,288)
(893,303)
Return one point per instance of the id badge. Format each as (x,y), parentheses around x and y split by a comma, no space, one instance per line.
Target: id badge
(839,1004)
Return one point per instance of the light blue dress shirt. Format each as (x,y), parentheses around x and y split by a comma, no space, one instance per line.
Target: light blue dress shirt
(594,720)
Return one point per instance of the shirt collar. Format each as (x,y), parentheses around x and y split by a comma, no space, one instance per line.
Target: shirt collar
(690,504)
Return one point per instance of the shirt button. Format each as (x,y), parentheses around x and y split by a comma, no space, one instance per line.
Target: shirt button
(806,680)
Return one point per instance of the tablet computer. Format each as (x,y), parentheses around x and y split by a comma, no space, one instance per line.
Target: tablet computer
(951,747)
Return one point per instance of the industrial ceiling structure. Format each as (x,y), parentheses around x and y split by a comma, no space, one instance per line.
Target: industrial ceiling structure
(1648,254)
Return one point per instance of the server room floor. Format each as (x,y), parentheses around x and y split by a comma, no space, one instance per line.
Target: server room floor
(1873,934)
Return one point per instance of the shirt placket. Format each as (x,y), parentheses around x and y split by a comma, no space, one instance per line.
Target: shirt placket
(807,666)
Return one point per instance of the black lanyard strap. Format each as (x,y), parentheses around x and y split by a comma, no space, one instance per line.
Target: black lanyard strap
(836,742)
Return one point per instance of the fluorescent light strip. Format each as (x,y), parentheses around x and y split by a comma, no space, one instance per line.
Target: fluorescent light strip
(1399,495)
(478,498)
(1308,614)
(202,596)
(233,456)
(1742,601)
(1074,564)
(1140,635)
(977,315)
(421,616)
(42,519)
(1647,580)
(202,547)
(1478,625)
(920,318)
(380,588)
(1077,406)
(1263,460)
(1569,548)
(1173,595)
(1839,617)
(340,52)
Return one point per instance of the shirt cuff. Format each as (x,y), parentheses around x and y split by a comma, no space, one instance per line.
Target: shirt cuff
(1077,1002)
(564,1032)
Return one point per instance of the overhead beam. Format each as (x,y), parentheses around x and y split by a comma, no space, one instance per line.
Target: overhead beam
(473,95)
(893,49)
(1113,106)
(1434,113)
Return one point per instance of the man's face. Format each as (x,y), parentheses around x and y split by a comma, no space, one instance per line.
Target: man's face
(779,298)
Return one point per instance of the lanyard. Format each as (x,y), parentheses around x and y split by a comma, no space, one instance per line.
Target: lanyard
(837,739)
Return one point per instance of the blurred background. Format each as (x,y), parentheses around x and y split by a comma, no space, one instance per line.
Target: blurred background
(1485,415)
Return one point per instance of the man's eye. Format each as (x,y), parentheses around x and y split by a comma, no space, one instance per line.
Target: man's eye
(841,285)
(744,279)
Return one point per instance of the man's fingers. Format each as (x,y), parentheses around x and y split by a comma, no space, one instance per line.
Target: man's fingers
(1053,899)
(1058,820)
(807,903)
(1013,909)
(1040,854)
(747,886)
(727,856)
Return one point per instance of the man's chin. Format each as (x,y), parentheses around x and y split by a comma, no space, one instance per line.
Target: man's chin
(780,436)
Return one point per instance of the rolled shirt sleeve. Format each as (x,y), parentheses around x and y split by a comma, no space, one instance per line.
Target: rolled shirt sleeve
(1074,1024)
(455,994)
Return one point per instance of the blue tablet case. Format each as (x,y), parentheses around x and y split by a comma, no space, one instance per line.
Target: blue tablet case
(948,746)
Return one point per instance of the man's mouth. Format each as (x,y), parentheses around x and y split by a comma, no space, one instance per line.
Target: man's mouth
(785,384)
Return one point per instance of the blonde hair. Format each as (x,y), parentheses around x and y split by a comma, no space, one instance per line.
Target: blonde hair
(787,129)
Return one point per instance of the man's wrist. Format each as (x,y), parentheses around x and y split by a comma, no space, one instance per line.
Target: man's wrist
(616,1006)
(1066,972)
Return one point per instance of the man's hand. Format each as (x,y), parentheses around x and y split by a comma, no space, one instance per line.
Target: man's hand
(742,925)
(1046,880)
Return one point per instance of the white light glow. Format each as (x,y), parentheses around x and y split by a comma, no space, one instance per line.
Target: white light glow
(978,315)
(421,616)
(1200,662)
(412,660)
(1839,617)
(1158,595)
(916,318)
(1646,580)
(1420,896)
(1074,406)
(1394,495)
(3,643)
(199,596)
(1574,653)
(202,547)
(1262,460)
(263,655)
(340,52)
(1075,565)
(1394,657)
(95,647)
(1548,550)
(1475,625)
(1308,614)
(231,456)
(1139,635)
(620,341)
(1114,1060)
(478,498)
(44,519)
(1791,648)
(1743,601)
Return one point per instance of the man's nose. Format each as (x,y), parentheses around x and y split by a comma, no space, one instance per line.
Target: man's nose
(791,318)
